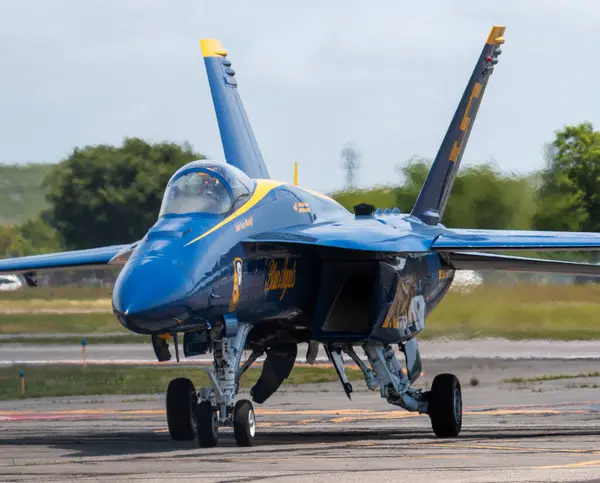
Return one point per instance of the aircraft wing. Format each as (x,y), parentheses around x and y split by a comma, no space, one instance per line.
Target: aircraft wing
(92,258)
(494,262)
(460,240)
(457,245)
(367,235)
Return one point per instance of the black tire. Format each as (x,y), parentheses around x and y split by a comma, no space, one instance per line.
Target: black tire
(181,409)
(445,406)
(244,423)
(208,425)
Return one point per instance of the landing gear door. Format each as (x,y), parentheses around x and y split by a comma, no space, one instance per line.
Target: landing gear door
(399,307)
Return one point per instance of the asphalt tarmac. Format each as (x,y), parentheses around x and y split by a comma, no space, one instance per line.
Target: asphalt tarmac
(528,431)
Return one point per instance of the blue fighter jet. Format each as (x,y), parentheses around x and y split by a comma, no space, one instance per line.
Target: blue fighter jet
(237,262)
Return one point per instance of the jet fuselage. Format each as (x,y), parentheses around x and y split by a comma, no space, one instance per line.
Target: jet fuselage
(191,269)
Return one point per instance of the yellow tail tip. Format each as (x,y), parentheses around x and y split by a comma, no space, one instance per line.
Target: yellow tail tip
(212,48)
(496,35)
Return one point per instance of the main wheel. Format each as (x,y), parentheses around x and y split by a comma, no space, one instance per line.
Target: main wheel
(181,409)
(208,425)
(244,423)
(445,406)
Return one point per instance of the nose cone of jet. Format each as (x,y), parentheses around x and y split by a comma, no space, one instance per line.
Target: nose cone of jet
(150,293)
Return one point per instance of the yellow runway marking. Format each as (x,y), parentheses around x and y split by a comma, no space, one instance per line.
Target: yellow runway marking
(304,417)
(504,412)
(316,411)
(343,414)
(346,456)
(308,421)
(538,406)
(509,448)
(571,465)
(386,415)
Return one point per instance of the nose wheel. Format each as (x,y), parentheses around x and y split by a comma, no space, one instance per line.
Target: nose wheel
(244,423)
(445,406)
(181,409)
(208,425)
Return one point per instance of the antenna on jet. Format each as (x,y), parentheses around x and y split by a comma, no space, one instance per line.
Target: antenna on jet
(295,173)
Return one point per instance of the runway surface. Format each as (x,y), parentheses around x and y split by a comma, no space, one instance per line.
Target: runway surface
(530,431)
(430,350)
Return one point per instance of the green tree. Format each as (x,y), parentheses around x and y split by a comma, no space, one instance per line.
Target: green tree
(102,195)
(11,242)
(569,195)
(414,172)
(31,238)
(482,197)
(39,237)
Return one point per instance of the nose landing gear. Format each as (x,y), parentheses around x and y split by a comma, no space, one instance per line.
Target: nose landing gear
(191,414)
(208,425)
(244,423)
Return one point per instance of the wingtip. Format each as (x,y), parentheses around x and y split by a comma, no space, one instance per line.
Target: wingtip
(212,48)
(496,35)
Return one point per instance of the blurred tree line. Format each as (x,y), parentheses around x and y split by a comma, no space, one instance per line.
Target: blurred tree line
(563,196)
(102,195)
(99,195)
(482,197)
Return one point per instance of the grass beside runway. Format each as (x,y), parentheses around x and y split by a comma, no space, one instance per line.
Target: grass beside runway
(55,306)
(55,381)
(33,323)
(519,312)
(68,340)
(69,292)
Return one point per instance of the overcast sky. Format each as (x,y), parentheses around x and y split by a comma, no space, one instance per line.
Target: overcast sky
(386,75)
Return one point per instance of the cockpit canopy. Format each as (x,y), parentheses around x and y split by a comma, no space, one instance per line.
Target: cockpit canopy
(206,187)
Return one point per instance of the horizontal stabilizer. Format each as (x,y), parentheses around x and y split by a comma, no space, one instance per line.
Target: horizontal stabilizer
(504,240)
(489,261)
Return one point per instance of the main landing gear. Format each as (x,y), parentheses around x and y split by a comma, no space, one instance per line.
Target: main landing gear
(199,415)
(443,403)
(192,414)
(445,406)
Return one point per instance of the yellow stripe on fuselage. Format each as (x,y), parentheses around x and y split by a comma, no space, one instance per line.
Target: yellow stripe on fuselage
(263,187)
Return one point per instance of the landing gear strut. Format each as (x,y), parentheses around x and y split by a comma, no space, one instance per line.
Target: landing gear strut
(443,403)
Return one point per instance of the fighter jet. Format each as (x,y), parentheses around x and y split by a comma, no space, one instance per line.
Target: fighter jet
(240,263)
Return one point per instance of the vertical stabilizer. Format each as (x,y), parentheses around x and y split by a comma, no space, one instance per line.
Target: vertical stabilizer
(433,198)
(239,144)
